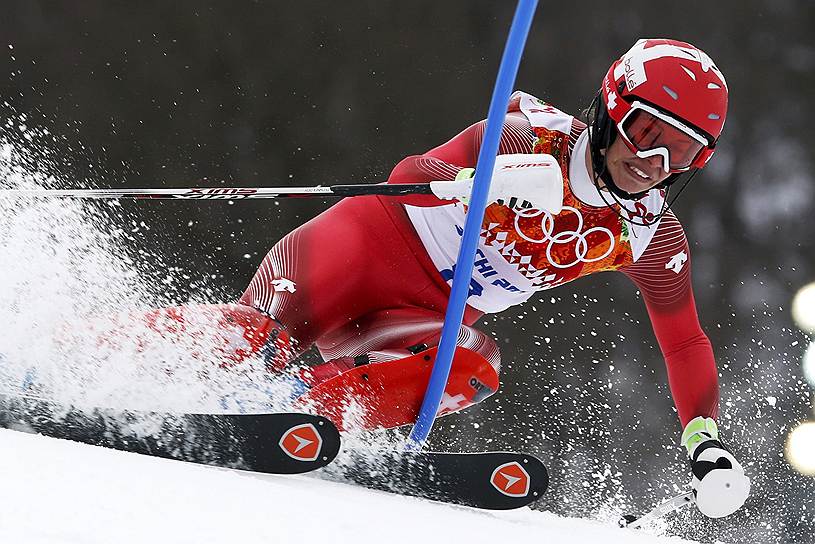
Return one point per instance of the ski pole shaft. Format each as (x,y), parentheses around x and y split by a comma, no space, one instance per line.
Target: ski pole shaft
(507,70)
(224,193)
(671,505)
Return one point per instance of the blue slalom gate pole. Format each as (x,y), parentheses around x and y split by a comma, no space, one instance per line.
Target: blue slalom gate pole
(504,83)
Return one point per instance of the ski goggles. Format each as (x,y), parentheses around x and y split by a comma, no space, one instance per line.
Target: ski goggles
(648,132)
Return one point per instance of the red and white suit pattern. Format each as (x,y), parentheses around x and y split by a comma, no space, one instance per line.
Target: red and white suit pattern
(370,275)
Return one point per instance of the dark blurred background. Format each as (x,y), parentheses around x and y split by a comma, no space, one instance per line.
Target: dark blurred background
(173,94)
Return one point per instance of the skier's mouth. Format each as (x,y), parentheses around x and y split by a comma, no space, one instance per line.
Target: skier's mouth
(637,174)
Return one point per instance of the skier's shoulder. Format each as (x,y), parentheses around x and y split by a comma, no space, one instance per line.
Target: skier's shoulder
(670,223)
(668,236)
(543,115)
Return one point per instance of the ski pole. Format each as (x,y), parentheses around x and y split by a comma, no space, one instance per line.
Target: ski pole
(671,505)
(224,193)
(537,177)
(507,70)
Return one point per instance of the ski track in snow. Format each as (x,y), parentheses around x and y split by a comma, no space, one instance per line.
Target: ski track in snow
(61,492)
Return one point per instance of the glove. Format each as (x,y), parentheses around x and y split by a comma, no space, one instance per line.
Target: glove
(535,179)
(718,481)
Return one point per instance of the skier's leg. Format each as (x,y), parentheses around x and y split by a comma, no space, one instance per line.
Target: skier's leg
(382,364)
(349,261)
(310,281)
(394,334)
(228,333)
(296,281)
(161,340)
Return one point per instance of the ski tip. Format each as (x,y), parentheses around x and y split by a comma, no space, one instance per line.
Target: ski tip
(521,480)
(284,443)
(488,480)
(306,443)
(316,441)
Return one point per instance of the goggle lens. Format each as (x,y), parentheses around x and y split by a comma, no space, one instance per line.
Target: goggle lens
(646,132)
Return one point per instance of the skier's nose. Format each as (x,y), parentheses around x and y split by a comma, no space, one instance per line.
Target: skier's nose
(657,164)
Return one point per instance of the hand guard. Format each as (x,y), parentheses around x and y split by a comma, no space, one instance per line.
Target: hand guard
(718,482)
(535,179)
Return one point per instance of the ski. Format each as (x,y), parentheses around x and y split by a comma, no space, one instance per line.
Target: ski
(286,443)
(491,480)
(274,443)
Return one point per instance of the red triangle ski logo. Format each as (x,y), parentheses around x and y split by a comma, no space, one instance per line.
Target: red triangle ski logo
(511,479)
(302,442)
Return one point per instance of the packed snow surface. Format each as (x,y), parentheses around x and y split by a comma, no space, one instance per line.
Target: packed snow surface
(61,492)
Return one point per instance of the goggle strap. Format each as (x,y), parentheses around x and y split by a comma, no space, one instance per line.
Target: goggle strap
(703,157)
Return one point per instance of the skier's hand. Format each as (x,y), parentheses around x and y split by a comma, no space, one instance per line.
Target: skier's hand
(468,174)
(518,180)
(719,482)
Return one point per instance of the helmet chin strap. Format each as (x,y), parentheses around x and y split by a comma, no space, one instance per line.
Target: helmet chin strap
(619,197)
(605,137)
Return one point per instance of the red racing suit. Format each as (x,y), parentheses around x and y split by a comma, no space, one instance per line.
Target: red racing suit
(370,276)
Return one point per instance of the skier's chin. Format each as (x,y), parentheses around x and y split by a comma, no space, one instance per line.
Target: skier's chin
(634,188)
(626,181)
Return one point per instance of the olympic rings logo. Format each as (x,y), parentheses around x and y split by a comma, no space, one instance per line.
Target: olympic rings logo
(563,237)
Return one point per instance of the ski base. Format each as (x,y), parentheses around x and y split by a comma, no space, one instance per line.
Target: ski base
(274,443)
(492,480)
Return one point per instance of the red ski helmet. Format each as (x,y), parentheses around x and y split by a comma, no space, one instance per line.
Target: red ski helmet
(674,79)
